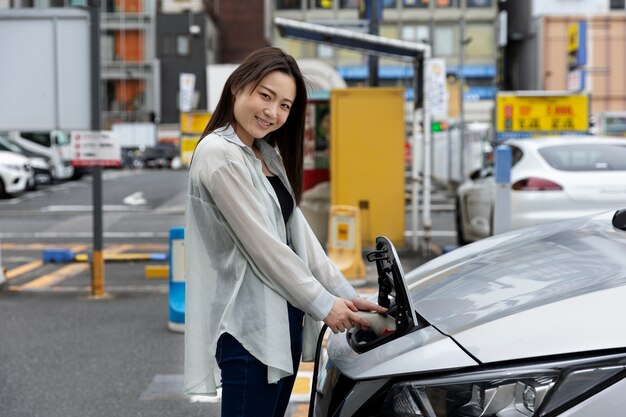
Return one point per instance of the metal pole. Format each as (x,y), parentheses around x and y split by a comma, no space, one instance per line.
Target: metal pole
(415,156)
(426,175)
(97,258)
(462,106)
(373,29)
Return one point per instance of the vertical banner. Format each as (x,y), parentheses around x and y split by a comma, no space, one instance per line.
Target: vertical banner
(187,85)
(437,95)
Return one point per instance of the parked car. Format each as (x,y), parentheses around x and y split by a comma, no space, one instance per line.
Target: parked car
(552,178)
(40,164)
(161,155)
(132,157)
(16,174)
(526,323)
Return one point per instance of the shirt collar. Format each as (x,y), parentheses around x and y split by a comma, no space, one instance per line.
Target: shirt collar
(228,133)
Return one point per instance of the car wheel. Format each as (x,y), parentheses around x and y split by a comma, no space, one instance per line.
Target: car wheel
(2,190)
(458,217)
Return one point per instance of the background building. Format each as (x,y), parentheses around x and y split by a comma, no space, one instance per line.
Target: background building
(186,42)
(536,54)
(458,31)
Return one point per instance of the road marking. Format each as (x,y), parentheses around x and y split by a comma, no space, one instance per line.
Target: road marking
(23,269)
(111,289)
(298,410)
(49,280)
(135,199)
(87,208)
(302,387)
(76,235)
(63,273)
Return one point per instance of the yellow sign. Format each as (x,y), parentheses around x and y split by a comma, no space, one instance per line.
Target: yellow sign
(187,146)
(342,231)
(526,116)
(344,244)
(193,122)
(572,37)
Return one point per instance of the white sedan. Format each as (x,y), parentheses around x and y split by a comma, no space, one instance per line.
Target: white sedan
(16,173)
(552,178)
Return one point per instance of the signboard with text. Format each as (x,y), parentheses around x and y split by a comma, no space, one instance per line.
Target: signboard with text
(436,88)
(522,116)
(576,56)
(91,148)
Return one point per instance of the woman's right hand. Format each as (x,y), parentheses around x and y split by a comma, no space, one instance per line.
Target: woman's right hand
(342,317)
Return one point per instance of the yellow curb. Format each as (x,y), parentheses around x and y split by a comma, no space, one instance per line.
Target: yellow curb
(157,271)
(83,257)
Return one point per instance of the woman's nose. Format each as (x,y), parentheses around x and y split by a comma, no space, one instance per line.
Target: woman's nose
(269,111)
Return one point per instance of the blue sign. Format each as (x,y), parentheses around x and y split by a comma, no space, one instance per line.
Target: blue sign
(503,164)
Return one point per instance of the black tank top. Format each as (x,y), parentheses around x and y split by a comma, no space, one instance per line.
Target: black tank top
(284,198)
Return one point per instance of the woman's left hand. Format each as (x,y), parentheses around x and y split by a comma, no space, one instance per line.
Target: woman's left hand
(364,305)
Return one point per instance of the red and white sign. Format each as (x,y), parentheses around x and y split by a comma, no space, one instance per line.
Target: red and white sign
(95,149)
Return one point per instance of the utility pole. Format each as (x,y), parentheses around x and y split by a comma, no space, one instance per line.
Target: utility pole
(374,17)
(97,256)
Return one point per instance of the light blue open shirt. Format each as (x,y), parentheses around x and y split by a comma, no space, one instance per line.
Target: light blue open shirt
(240,272)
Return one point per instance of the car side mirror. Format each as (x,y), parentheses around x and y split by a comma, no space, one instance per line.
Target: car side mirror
(474,175)
(619,219)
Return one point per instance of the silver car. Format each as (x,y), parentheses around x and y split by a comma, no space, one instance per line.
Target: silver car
(527,323)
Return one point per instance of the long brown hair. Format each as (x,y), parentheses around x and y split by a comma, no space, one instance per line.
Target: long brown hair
(289,137)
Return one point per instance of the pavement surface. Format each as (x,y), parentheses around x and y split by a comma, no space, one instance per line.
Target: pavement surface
(64,353)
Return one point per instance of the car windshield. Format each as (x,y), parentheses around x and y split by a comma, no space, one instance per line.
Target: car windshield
(587,157)
(7,145)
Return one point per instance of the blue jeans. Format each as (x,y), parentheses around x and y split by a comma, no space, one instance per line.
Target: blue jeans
(245,390)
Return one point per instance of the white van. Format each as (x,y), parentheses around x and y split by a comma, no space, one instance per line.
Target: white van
(55,145)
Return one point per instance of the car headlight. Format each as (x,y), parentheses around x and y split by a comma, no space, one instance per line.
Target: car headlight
(13,167)
(503,393)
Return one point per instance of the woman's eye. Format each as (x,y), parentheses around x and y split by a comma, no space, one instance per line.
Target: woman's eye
(265,96)
(286,106)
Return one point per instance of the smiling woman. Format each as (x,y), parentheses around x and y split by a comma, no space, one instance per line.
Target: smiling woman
(257,277)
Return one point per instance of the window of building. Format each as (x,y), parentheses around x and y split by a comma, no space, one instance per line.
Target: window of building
(415,33)
(325,51)
(389,4)
(482,44)
(446,41)
(183,45)
(446,4)
(174,45)
(618,5)
(323,4)
(288,4)
(422,4)
(478,3)
(349,4)
(292,46)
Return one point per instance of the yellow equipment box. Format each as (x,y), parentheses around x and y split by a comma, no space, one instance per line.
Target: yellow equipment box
(367,159)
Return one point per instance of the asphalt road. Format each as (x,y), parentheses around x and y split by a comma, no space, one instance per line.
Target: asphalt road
(64,353)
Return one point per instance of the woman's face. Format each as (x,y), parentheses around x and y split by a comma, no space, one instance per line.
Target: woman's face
(264,109)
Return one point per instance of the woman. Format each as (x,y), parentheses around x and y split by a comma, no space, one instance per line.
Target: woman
(254,267)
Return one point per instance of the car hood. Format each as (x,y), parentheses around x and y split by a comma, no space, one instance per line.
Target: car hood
(548,290)
(12,158)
